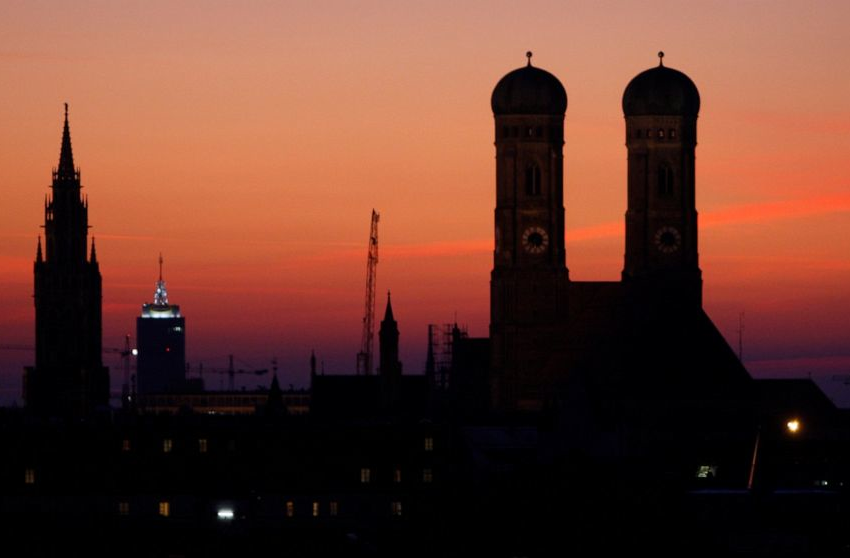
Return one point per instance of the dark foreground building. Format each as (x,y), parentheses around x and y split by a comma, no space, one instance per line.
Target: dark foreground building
(599,418)
(68,376)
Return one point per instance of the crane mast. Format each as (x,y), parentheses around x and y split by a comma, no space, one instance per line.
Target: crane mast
(364,357)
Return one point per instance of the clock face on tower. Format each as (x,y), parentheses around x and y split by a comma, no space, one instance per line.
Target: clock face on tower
(667,240)
(535,240)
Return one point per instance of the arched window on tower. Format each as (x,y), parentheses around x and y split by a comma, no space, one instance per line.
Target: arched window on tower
(665,181)
(532,180)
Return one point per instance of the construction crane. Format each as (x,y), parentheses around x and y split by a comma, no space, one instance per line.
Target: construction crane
(127,393)
(231,372)
(364,357)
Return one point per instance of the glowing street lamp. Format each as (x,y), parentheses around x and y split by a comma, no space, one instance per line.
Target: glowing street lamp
(793,426)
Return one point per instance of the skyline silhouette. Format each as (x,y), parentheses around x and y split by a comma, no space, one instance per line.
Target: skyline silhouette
(255,172)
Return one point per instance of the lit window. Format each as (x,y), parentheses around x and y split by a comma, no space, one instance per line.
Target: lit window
(365,475)
(167,445)
(661,133)
(334,508)
(123,508)
(427,475)
(707,472)
(290,508)
(225,514)
(29,476)
(397,475)
(429,443)
(672,133)
(202,445)
(396,509)
(125,445)
(164,509)
(315,509)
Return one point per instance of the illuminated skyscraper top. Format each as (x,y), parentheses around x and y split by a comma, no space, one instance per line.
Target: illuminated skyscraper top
(160,307)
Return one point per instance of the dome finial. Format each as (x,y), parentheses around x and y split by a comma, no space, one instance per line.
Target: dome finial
(660,57)
(528,55)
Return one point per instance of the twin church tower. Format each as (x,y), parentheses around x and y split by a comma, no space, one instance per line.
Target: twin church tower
(540,320)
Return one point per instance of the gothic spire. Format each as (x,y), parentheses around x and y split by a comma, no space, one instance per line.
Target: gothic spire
(93,258)
(388,315)
(66,155)
(38,256)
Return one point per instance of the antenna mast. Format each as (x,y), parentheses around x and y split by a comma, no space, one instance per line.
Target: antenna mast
(364,357)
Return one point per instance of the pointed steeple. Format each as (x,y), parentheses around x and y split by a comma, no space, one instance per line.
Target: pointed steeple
(66,168)
(388,315)
(388,339)
(38,256)
(93,258)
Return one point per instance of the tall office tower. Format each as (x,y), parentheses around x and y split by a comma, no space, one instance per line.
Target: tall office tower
(161,336)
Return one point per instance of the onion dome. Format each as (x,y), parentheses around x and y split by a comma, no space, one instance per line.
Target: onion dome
(529,90)
(661,91)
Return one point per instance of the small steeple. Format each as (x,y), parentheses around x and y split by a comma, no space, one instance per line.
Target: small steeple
(93,258)
(66,156)
(388,315)
(38,256)
(528,55)
(660,58)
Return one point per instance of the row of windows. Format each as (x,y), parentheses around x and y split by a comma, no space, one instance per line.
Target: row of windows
(203,444)
(167,445)
(529,131)
(366,475)
(655,133)
(164,509)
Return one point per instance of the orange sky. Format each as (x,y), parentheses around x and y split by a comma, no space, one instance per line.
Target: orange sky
(249,141)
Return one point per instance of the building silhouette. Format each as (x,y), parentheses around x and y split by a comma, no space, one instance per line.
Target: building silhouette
(68,376)
(161,335)
(389,365)
(598,418)
(559,343)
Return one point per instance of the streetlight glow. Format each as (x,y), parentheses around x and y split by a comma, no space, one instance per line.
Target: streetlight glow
(793,426)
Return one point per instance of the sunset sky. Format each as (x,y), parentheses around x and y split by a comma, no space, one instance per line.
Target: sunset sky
(249,141)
